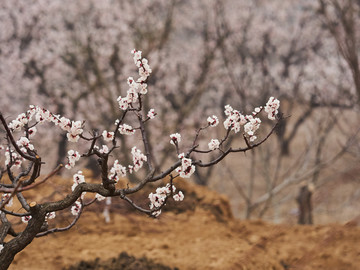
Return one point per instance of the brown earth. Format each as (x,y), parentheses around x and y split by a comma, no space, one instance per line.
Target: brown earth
(198,233)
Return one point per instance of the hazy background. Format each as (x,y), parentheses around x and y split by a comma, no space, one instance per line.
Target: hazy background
(73,58)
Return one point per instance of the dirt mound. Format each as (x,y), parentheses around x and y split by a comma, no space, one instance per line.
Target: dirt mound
(198,233)
(196,197)
(123,262)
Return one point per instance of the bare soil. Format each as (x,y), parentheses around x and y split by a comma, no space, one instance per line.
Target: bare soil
(198,233)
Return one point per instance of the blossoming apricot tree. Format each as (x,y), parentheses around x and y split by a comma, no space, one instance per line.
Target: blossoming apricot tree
(23,164)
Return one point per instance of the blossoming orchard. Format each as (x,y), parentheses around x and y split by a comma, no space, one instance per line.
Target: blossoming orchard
(23,164)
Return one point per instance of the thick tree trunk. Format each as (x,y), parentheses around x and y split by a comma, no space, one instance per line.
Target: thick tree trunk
(305,206)
(18,243)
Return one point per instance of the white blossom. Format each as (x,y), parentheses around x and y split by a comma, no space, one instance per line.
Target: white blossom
(50,215)
(123,103)
(213,121)
(4,197)
(214,144)
(151,114)
(23,141)
(234,119)
(104,149)
(99,197)
(175,138)
(138,158)
(158,199)
(15,125)
(75,209)
(73,156)
(75,131)
(32,131)
(179,197)
(78,178)
(251,127)
(108,136)
(25,219)
(117,171)
(186,169)
(271,107)
(126,129)
(13,157)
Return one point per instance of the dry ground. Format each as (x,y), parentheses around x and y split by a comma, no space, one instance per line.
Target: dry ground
(199,233)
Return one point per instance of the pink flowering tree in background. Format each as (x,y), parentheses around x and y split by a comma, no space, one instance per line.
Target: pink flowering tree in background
(23,162)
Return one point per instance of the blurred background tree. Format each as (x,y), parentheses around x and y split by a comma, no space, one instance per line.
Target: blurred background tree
(71,57)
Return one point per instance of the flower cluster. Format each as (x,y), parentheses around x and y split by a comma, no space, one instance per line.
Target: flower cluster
(20,121)
(214,144)
(175,139)
(75,209)
(78,178)
(103,150)
(186,169)
(74,128)
(252,126)
(151,114)
(179,197)
(213,121)
(126,129)
(74,131)
(138,158)
(24,142)
(117,171)
(142,64)
(73,156)
(136,87)
(5,197)
(234,119)
(158,199)
(271,107)
(13,158)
